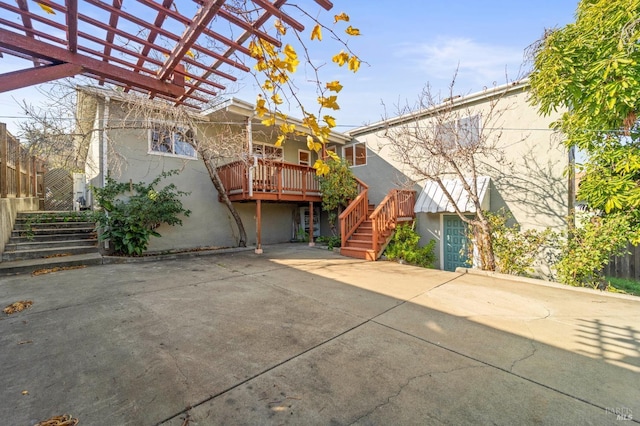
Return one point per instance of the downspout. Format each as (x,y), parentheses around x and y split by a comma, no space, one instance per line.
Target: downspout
(105,122)
(255,159)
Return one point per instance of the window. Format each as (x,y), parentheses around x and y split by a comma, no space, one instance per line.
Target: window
(356,154)
(271,152)
(172,141)
(462,133)
(304,157)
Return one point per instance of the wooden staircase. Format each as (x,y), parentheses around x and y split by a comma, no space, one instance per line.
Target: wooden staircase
(366,229)
(50,234)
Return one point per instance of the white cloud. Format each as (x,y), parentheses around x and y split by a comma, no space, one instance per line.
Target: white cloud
(478,64)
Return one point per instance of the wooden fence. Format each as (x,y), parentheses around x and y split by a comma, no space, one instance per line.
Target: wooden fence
(20,173)
(627,266)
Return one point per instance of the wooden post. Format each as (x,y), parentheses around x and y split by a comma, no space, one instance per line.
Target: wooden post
(258,227)
(311,243)
(4,155)
(18,165)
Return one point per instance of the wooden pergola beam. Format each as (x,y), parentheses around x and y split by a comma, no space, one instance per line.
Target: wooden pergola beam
(72,25)
(43,74)
(204,15)
(38,49)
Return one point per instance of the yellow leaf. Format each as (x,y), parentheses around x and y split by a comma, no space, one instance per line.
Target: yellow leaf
(261,109)
(317,146)
(316,33)
(334,86)
(310,142)
(329,102)
(341,58)
(255,50)
(261,65)
(290,52)
(354,64)
(287,128)
(352,31)
(311,122)
(280,140)
(46,8)
(331,122)
(269,121)
(342,17)
(333,155)
(276,99)
(281,28)
(190,54)
(268,85)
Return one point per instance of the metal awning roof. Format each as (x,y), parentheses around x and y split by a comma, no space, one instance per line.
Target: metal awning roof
(433,200)
(181,51)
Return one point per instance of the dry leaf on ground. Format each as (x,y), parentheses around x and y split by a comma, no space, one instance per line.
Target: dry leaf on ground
(17,307)
(64,420)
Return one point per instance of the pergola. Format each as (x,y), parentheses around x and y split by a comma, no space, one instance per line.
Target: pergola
(183,52)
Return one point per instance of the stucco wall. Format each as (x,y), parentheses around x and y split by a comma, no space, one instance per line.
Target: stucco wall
(210,223)
(9,208)
(527,177)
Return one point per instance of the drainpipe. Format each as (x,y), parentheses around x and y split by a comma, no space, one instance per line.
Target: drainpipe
(105,122)
(255,159)
(105,165)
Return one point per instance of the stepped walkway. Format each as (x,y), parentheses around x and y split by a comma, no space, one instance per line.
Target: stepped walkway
(48,239)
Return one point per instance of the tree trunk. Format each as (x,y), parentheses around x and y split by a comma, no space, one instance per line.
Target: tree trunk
(485,246)
(217,183)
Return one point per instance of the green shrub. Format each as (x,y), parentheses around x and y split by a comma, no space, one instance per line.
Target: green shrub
(589,248)
(404,246)
(516,251)
(332,241)
(130,213)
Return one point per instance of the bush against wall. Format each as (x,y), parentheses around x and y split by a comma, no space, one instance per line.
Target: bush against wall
(517,251)
(404,245)
(130,212)
(590,247)
(338,188)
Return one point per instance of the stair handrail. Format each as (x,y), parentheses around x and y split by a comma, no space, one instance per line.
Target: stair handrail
(397,203)
(355,213)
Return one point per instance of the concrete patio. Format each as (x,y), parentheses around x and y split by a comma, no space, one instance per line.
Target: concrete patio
(300,335)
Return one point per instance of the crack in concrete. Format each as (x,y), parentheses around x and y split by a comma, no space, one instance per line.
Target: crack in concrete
(407,383)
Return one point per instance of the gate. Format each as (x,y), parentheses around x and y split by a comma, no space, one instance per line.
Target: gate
(58,190)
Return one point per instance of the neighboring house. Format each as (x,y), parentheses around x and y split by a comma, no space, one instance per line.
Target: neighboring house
(272,186)
(529,180)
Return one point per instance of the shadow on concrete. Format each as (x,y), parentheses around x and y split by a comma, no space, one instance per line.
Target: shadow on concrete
(297,335)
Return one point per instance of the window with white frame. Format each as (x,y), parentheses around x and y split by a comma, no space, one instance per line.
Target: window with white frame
(304,157)
(168,140)
(463,132)
(266,151)
(355,154)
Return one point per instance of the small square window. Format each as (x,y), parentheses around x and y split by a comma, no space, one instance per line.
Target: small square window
(356,154)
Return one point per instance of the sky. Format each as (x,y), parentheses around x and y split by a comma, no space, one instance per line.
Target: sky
(404,46)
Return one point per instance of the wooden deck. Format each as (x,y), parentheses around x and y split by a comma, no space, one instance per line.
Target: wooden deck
(270,181)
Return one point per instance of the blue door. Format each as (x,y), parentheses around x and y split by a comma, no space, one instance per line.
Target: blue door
(454,236)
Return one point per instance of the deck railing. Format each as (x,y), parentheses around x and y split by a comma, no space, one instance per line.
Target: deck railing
(270,180)
(20,173)
(355,213)
(398,203)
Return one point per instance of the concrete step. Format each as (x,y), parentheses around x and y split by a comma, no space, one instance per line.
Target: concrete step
(9,256)
(51,231)
(58,244)
(46,236)
(30,265)
(20,226)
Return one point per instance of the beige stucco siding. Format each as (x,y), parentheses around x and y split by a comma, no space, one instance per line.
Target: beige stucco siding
(527,172)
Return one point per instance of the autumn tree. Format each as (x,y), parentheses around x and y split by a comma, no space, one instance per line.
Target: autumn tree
(437,139)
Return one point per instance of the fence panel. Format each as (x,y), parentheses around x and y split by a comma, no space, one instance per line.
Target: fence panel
(627,266)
